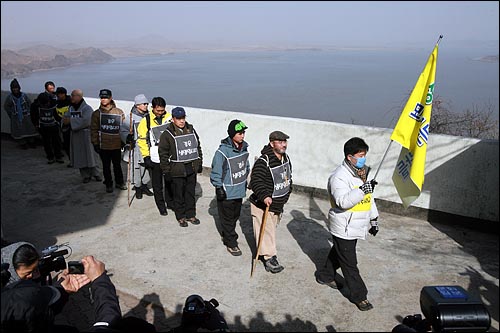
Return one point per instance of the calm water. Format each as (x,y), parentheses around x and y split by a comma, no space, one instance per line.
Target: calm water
(360,87)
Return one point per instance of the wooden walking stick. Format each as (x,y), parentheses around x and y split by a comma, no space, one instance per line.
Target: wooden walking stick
(261,235)
(130,131)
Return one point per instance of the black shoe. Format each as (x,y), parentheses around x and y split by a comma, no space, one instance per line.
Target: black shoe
(69,165)
(332,284)
(163,212)
(272,265)
(193,220)
(121,186)
(59,160)
(98,178)
(146,191)
(235,251)
(109,189)
(86,180)
(24,146)
(138,193)
(51,161)
(364,305)
(182,222)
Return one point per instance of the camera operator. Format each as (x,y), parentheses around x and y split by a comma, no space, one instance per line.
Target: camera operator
(29,307)
(22,258)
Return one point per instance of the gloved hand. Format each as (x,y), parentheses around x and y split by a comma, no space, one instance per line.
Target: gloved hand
(167,177)
(368,187)
(220,193)
(131,141)
(147,162)
(97,149)
(374,226)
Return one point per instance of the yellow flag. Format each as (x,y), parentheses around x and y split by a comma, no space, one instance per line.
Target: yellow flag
(412,132)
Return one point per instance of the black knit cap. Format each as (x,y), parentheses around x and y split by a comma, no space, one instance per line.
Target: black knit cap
(14,84)
(235,126)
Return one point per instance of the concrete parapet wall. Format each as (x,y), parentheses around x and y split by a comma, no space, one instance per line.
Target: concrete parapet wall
(461,174)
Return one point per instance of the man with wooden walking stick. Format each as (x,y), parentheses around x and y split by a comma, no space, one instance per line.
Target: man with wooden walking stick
(271,184)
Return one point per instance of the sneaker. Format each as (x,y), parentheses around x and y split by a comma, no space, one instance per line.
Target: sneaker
(364,305)
(272,265)
(86,180)
(145,190)
(193,220)
(121,186)
(235,251)
(182,222)
(51,161)
(109,188)
(332,284)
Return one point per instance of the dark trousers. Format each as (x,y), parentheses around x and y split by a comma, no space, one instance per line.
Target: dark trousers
(343,255)
(51,142)
(184,202)
(229,213)
(115,156)
(66,135)
(162,189)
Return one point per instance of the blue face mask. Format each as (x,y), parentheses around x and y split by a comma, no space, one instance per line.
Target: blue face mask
(360,162)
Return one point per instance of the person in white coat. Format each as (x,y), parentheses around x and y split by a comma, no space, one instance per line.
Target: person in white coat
(353,214)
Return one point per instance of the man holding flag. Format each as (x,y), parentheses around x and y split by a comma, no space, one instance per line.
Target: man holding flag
(412,132)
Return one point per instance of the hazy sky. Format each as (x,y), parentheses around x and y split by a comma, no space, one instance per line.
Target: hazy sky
(377,23)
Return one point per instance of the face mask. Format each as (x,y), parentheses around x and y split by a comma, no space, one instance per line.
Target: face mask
(360,162)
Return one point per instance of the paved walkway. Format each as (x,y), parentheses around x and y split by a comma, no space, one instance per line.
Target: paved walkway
(155,264)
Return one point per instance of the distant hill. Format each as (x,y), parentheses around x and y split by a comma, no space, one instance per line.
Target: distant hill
(42,57)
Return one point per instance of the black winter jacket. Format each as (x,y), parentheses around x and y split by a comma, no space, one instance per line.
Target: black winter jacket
(261,181)
(167,152)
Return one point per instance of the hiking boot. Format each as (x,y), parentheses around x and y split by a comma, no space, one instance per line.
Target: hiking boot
(272,265)
(109,188)
(182,222)
(138,193)
(121,186)
(146,191)
(193,220)
(235,251)
(364,305)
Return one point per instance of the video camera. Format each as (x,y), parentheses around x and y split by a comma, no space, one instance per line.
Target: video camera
(198,313)
(52,260)
(447,309)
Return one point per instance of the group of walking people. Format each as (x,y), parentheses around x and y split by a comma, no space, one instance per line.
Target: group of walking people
(165,149)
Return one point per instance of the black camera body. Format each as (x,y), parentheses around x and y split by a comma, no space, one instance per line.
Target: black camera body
(447,309)
(51,261)
(5,274)
(452,309)
(198,313)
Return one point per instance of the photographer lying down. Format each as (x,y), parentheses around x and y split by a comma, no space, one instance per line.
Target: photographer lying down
(30,306)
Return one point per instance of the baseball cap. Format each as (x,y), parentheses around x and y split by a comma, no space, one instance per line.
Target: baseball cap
(105,93)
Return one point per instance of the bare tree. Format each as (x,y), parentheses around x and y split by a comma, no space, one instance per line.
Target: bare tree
(475,122)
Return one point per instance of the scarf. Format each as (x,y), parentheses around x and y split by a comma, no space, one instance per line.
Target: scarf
(19,107)
(360,172)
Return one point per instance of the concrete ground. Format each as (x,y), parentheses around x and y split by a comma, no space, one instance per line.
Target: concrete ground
(155,264)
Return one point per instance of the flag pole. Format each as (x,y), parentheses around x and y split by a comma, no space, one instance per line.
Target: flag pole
(383,158)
